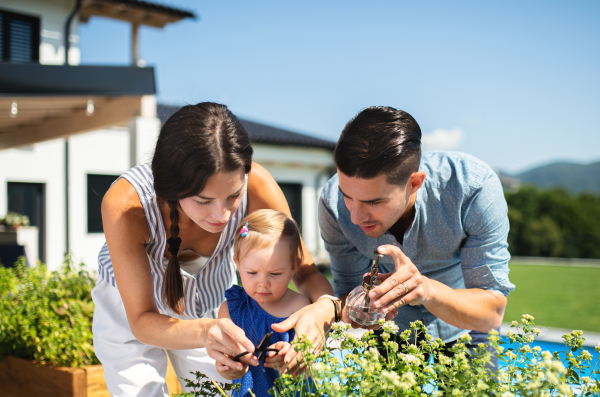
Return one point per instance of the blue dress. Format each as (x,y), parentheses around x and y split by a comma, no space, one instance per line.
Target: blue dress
(247,314)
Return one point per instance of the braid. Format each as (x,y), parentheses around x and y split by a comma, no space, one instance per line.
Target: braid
(172,283)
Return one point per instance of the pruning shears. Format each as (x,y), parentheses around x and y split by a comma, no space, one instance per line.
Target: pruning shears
(262,350)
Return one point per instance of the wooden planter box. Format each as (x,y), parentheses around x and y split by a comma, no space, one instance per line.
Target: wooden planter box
(22,378)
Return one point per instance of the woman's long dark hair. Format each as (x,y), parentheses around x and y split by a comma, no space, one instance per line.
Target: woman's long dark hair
(195,143)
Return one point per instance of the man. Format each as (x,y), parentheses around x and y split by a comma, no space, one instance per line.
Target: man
(439,218)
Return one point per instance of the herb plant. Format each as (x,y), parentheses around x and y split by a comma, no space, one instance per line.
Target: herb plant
(47,316)
(421,369)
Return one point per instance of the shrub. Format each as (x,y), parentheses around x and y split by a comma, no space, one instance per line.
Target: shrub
(47,316)
(362,371)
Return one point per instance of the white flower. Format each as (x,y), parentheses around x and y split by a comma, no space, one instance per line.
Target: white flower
(390,327)
(534,384)
(340,326)
(392,377)
(564,389)
(507,394)
(410,359)
(557,366)
(514,324)
(552,378)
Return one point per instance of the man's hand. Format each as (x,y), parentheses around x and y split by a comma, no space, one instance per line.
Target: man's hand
(313,321)
(404,286)
(389,316)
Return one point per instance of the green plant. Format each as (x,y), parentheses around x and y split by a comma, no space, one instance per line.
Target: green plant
(363,371)
(205,387)
(47,316)
(15,219)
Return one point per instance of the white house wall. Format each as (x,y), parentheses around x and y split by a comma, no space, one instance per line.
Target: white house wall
(42,163)
(53,15)
(104,152)
(309,167)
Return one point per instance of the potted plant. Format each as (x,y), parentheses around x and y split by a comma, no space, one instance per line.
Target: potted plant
(14,220)
(46,345)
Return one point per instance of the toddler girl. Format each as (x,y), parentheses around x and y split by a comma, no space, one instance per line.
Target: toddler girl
(267,252)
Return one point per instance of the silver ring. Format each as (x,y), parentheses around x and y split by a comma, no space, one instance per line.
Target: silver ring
(405,288)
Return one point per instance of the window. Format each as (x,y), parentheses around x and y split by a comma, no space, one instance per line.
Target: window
(97,186)
(19,38)
(30,199)
(293,195)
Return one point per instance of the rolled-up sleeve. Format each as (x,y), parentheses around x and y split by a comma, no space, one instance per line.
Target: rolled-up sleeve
(348,265)
(484,254)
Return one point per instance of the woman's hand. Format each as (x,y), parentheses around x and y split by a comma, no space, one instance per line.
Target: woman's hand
(313,321)
(231,373)
(277,360)
(223,341)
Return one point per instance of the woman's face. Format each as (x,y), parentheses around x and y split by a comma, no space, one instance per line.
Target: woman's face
(214,205)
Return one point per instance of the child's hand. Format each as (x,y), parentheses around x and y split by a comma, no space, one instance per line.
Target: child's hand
(275,360)
(231,373)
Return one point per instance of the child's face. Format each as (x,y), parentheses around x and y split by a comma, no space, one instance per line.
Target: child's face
(265,273)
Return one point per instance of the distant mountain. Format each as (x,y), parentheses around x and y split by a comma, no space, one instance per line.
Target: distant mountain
(577,178)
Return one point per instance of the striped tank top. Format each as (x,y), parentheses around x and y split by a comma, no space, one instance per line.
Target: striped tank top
(205,290)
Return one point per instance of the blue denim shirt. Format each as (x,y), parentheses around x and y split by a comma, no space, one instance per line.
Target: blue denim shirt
(458,236)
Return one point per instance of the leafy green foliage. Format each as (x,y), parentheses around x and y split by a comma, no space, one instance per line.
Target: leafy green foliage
(47,317)
(202,386)
(553,223)
(364,371)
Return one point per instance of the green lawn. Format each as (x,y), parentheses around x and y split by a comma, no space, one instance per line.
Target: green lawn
(557,296)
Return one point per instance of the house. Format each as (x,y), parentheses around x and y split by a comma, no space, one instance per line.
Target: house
(68,130)
(63,125)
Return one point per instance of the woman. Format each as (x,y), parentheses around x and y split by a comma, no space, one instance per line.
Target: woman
(167,259)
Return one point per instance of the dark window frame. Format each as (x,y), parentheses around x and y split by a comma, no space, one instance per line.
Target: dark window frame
(39,208)
(95,194)
(293,195)
(5,35)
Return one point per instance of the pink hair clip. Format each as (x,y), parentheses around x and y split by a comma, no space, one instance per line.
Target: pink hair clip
(244,230)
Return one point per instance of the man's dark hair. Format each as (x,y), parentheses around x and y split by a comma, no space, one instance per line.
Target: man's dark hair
(380,139)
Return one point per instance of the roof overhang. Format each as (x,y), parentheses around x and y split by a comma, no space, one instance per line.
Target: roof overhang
(57,101)
(134,11)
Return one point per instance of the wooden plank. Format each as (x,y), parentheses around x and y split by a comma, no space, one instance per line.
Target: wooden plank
(117,111)
(22,378)
(172,380)
(96,385)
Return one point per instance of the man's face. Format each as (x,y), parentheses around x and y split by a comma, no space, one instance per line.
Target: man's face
(375,205)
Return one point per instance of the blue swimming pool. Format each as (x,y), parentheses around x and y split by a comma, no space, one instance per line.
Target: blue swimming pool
(560,347)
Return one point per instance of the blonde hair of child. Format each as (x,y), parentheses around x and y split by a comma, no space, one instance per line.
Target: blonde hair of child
(265,229)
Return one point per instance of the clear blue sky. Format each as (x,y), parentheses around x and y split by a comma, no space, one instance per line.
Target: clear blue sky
(514,83)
